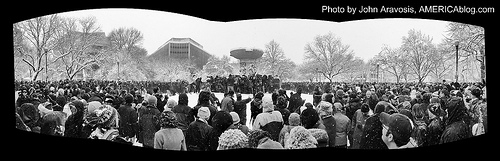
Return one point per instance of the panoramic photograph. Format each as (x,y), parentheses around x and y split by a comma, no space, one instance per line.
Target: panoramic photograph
(163,80)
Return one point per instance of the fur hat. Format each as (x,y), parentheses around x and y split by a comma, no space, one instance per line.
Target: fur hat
(232,139)
(267,104)
(254,136)
(300,138)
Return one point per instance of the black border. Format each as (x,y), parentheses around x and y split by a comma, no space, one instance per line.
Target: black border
(476,147)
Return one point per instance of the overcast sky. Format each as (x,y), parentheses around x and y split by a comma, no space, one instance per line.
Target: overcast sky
(365,37)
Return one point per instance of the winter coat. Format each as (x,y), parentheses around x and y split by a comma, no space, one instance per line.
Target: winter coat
(358,122)
(240,107)
(220,123)
(184,116)
(148,126)
(371,138)
(343,125)
(128,121)
(330,128)
(170,139)
(295,102)
(286,129)
(197,136)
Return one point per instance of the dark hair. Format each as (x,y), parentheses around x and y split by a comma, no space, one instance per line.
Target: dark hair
(309,117)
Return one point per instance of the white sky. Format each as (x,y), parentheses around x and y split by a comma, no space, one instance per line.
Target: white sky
(365,37)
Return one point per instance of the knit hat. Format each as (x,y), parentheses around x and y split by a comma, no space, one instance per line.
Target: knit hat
(203,112)
(168,119)
(294,119)
(337,106)
(300,138)
(236,117)
(232,139)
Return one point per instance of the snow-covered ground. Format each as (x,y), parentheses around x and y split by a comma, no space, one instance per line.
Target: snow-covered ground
(193,99)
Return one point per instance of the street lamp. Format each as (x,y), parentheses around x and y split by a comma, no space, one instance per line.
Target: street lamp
(378,65)
(456,61)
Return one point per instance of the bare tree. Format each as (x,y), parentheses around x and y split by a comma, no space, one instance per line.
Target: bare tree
(38,36)
(329,56)
(393,61)
(419,50)
(274,62)
(471,41)
(79,45)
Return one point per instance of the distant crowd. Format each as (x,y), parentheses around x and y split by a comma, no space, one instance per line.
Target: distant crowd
(343,115)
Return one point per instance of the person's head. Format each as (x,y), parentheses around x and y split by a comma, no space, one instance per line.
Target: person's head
(129,98)
(221,120)
(300,138)
(419,111)
(183,99)
(308,118)
(396,129)
(230,93)
(151,100)
(204,97)
(337,107)
(368,94)
(108,100)
(320,135)
(235,116)
(259,95)
(281,102)
(238,97)
(294,119)
(365,108)
(444,93)
(325,108)
(476,93)
(28,111)
(267,104)
(168,119)
(232,139)
(203,113)
(171,103)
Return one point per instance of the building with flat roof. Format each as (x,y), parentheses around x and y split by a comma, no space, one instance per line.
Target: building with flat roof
(182,49)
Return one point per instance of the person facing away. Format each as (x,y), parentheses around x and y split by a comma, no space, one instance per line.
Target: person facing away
(293,121)
(255,107)
(269,120)
(148,115)
(358,122)
(169,137)
(326,116)
(227,102)
(128,118)
(343,125)
(183,112)
(371,138)
(198,131)
(240,107)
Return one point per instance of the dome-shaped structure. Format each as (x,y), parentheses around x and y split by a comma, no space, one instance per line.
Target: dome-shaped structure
(246,53)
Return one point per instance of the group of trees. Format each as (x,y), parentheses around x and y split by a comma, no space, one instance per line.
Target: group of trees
(65,48)
(419,59)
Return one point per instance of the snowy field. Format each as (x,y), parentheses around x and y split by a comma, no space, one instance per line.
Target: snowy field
(193,99)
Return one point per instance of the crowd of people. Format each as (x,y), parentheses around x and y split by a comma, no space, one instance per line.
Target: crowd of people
(341,115)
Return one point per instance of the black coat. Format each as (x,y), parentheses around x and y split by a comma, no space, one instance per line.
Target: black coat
(197,136)
(372,134)
(128,121)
